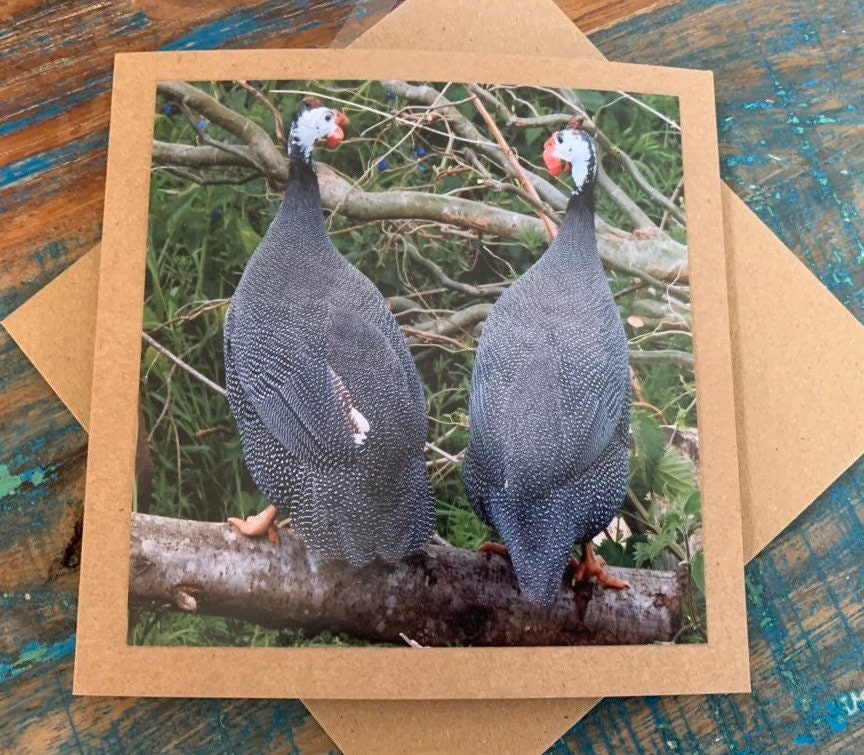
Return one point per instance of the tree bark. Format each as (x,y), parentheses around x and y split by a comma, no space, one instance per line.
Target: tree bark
(439,596)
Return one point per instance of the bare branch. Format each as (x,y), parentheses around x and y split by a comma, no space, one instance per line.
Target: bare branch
(656,255)
(462,320)
(441,595)
(278,125)
(518,170)
(191,156)
(630,166)
(662,356)
(182,365)
(265,154)
(656,113)
(673,199)
(609,148)
(438,274)
(637,215)
(467,130)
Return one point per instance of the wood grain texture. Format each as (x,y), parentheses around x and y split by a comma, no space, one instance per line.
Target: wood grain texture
(790,100)
(593,15)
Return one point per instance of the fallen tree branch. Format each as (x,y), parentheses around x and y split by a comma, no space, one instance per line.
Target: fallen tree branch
(662,356)
(259,150)
(463,320)
(439,596)
(669,312)
(654,254)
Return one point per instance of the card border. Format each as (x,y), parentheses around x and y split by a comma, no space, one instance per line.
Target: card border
(106,665)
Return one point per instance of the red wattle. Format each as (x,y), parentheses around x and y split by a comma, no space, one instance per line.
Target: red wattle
(553,164)
(335,139)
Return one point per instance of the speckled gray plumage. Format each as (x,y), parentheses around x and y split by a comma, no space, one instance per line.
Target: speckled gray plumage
(549,408)
(300,313)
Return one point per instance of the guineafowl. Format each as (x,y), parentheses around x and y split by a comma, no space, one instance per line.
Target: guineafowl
(326,396)
(549,408)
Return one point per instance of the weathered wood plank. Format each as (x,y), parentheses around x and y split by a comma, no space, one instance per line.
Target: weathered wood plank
(43,716)
(593,15)
(41,473)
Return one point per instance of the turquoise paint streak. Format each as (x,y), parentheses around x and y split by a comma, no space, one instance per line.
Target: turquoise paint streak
(247,25)
(42,111)
(35,654)
(31,167)
(9,483)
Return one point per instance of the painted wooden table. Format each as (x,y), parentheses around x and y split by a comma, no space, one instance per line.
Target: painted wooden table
(791,113)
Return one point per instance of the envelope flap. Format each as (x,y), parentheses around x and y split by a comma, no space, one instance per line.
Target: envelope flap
(55,328)
(537,27)
(799,378)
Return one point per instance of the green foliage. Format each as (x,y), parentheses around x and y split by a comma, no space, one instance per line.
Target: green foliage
(201,236)
(189,630)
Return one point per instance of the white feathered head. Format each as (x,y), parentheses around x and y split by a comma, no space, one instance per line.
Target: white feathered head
(315,122)
(572,149)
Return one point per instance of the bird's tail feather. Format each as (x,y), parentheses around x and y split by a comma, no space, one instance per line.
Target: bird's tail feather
(539,535)
(369,518)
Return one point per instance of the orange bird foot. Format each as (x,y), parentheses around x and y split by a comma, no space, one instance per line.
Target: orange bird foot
(593,565)
(496,548)
(256,525)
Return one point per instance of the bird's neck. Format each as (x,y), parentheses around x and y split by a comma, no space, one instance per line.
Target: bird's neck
(575,247)
(301,207)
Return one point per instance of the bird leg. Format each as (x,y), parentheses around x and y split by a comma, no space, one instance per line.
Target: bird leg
(258,524)
(496,548)
(593,565)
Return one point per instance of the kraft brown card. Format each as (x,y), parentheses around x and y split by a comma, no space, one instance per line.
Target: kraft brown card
(55,330)
(453,663)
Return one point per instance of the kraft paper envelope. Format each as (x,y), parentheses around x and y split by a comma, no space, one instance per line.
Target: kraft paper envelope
(798,387)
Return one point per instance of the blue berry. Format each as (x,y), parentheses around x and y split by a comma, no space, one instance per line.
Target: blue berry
(390,95)
(421,151)
(421,168)
(202,124)
(168,109)
(216,214)
(383,165)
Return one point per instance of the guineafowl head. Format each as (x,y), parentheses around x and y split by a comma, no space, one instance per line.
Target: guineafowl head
(572,149)
(314,123)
